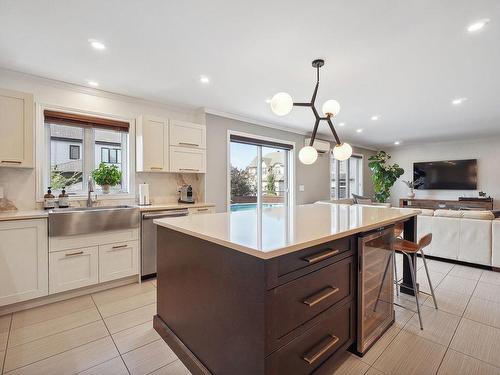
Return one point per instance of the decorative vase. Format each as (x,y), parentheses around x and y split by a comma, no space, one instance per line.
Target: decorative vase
(105,189)
(411,194)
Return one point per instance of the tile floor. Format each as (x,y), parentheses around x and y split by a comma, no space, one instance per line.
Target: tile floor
(111,333)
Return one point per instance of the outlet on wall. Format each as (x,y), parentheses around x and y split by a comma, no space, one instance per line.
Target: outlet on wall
(302,188)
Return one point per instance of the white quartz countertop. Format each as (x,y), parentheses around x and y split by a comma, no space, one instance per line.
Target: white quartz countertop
(173,206)
(23,215)
(271,232)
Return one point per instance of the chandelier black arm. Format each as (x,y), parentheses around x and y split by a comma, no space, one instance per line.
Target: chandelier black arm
(337,139)
(315,130)
(302,104)
(313,99)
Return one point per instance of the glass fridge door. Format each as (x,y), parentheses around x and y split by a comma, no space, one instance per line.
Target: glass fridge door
(375,286)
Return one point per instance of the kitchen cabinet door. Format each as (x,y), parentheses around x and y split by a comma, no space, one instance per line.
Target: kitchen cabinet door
(16,129)
(187,134)
(187,160)
(118,260)
(152,144)
(23,260)
(71,269)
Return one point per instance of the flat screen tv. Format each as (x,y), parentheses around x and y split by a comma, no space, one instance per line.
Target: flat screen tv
(446,175)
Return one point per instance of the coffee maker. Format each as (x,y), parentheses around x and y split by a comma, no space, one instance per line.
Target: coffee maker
(186,194)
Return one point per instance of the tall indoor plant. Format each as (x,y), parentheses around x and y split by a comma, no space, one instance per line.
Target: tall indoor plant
(383,175)
(106,176)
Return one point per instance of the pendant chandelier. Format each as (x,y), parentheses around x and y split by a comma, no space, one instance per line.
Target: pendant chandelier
(282,104)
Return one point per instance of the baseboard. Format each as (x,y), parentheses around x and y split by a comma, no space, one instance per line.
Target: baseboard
(460,262)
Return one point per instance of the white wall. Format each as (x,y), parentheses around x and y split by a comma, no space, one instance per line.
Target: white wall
(20,184)
(486,151)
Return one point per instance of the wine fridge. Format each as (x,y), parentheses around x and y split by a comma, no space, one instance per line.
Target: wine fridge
(375,286)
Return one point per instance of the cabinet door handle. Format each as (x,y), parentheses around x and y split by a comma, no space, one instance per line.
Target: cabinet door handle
(320,296)
(188,144)
(321,256)
(11,162)
(160,168)
(71,254)
(321,348)
(189,169)
(202,209)
(118,247)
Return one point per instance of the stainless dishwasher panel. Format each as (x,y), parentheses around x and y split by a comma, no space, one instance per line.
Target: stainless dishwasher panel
(148,238)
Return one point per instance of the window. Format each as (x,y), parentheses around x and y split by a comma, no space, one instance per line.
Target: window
(77,144)
(346,177)
(259,173)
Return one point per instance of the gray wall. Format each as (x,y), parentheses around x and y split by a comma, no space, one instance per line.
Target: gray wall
(315,178)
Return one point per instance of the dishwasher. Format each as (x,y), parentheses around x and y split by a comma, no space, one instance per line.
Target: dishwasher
(148,239)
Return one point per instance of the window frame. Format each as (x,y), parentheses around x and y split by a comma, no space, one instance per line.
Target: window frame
(74,147)
(43,156)
(348,176)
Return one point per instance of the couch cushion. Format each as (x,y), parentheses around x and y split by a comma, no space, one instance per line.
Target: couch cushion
(479,215)
(449,213)
(426,212)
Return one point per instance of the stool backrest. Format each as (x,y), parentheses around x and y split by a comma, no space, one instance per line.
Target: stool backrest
(425,240)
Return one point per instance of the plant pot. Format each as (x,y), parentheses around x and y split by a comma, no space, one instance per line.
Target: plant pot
(411,194)
(105,189)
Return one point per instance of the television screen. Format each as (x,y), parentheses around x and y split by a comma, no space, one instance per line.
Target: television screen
(446,175)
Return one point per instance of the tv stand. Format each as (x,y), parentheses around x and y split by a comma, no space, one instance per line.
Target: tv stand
(460,204)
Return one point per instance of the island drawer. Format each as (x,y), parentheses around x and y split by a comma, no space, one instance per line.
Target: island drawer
(293,304)
(307,352)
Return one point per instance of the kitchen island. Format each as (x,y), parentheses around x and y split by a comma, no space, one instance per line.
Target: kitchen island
(278,290)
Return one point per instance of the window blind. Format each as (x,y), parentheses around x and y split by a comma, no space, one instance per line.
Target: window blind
(259,142)
(65,118)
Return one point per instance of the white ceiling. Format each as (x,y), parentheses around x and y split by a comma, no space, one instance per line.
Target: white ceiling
(402,60)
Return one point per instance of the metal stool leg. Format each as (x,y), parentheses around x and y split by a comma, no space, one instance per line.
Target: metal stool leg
(382,283)
(394,260)
(429,278)
(413,280)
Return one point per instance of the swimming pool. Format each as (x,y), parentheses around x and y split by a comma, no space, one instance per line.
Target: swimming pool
(250,206)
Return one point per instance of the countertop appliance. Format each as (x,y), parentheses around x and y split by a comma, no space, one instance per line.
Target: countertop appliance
(144,195)
(148,238)
(186,194)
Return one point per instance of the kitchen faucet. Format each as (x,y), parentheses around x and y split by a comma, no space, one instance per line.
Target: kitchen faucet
(90,188)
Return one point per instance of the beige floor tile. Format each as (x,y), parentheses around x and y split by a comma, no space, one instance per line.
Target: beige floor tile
(349,364)
(125,298)
(378,348)
(439,326)
(487,291)
(374,371)
(410,354)
(436,279)
(48,327)
(455,363)
(51,311)
(466,272)
(132,338)
(33,351)
(439,266)
(73,361)
(477,340)
(408,301)
(402,316)
(114,366)
(483,311)
(154,282)
(174,368)
(4,330)
(130,318)
(457,285)
(448,301)
(490,277)
(149,358)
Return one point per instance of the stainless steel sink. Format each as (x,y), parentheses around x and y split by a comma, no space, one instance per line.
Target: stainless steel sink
(86,220)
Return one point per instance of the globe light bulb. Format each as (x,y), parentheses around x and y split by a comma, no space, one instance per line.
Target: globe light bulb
(281,103)
(331,108)
(308,155)
(342,151)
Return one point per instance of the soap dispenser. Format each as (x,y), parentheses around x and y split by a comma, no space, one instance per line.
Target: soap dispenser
(49,201)
(63,199)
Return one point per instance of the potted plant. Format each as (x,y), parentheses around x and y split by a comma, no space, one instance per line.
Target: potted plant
(107,176)
(383,175)
(411,186)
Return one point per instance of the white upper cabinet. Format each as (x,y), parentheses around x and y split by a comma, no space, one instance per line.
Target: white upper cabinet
(187,134)
(152,144)
(16,129)
(187,160)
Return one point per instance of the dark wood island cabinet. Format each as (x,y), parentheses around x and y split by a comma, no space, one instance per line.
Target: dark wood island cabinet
(274,292)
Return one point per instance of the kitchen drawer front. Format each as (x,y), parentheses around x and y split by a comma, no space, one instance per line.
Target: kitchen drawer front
(187,160)
(118,260)
(71,269)
(292,304)
(310,350)
(94,239)
(201,210)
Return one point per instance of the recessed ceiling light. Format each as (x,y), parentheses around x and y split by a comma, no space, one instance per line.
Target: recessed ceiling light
(97,44)
(397,143)
(92,83)
(478,25)
(359,130)
(458,101)
(204,79)
(375,117)
(341,123)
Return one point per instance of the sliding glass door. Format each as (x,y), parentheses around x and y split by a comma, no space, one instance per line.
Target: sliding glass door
(346,177)
(259,173)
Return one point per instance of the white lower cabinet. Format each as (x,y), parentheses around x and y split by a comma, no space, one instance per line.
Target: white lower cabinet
(201,210)
(23,260)
(75,268)
(118,260)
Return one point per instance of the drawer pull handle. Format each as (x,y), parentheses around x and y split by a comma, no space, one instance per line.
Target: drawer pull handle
(71,254)
(188,144)
(118,247)
(320,349)
(157,168)
(11,162)
(320,296)
(202,209)
(189,169)
(321,256)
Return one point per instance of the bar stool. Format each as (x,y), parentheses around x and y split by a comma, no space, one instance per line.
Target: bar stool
(408,248)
